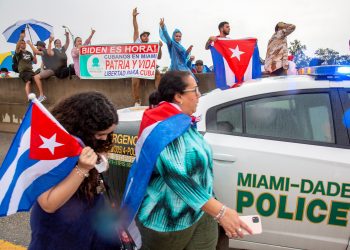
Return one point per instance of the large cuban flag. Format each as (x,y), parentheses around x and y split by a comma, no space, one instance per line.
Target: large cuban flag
(41,155)
(159,127)
(235,61)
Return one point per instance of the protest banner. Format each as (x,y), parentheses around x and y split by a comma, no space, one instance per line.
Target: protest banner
(137,60)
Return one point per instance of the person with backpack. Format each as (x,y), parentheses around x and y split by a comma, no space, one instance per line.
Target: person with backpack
(23,64)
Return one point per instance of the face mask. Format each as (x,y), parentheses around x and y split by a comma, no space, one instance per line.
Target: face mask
(3,74)
(102,166)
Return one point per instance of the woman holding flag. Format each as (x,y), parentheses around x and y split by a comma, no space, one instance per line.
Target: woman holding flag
(65,216)
(171,180)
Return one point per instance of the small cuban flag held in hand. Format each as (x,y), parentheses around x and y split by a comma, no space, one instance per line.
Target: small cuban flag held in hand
(41,155)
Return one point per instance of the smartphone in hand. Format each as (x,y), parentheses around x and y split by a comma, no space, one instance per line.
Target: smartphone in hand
(254,222)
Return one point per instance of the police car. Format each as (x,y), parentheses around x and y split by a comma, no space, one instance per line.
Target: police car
(281,150)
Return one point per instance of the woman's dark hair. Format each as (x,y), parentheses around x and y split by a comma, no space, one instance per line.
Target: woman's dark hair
(82,115)
(171,83)
(75,40)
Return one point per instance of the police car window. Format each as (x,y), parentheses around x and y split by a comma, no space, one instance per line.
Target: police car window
(228,120)
(301,117)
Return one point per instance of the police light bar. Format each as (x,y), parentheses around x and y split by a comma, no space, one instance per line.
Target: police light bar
(336,72)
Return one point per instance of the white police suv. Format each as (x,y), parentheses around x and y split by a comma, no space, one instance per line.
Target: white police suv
(281,150)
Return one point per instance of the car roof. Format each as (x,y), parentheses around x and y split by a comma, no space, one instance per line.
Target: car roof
(249,88)
(131,113)
(268,85)
(264,86)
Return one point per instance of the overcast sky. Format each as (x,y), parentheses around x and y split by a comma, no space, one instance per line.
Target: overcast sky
(319,24)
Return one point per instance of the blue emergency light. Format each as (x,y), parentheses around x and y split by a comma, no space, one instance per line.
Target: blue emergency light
(327,72)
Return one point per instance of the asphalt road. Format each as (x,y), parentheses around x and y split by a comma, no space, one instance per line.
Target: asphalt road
(14,228)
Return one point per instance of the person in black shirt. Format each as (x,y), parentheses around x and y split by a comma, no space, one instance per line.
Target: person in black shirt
(60,57)
(25,65)
(54,60)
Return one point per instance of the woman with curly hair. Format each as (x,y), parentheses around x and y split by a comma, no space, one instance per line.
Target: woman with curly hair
(65,216)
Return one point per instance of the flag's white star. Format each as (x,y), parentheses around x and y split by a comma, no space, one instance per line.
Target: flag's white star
(236,53)
(50,143)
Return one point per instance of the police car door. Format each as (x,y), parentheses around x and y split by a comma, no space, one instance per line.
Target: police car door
(285,157)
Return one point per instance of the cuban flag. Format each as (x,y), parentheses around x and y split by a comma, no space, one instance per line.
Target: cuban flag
(41,155)
(159,127)
(235,61)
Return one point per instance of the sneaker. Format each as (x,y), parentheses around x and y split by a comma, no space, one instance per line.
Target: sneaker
(42,98)
(137,104)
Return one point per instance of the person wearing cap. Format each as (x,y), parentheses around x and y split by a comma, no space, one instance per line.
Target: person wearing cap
(25,65)
(47,62)
(142,38)
(276,61)
(54,60)
(198,67)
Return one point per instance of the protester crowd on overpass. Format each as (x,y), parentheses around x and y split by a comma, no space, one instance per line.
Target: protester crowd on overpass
(54,57)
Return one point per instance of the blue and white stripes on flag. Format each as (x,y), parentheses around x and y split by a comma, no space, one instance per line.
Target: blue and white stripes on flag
(153,139)
(235,61)
(23,179)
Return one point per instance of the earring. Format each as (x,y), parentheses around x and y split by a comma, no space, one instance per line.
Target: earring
(181,102)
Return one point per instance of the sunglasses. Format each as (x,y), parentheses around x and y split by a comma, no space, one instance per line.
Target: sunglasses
(195,89)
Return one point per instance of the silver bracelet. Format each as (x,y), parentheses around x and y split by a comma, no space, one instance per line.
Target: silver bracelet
(220,214)
(81,173)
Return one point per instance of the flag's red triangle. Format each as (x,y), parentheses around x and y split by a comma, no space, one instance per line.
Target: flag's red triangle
(48,141)
(244,50)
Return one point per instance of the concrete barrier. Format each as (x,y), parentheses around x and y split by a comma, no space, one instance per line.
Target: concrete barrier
(13,102)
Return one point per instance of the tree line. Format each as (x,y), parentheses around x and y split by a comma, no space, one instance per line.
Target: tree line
(322,56)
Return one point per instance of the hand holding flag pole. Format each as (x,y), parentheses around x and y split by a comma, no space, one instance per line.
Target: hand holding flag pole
(42,154)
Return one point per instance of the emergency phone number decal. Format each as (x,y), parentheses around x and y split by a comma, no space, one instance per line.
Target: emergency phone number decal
(122,152)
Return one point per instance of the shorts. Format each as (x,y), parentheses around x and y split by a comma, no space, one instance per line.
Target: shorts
(46,73)
(26,76)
